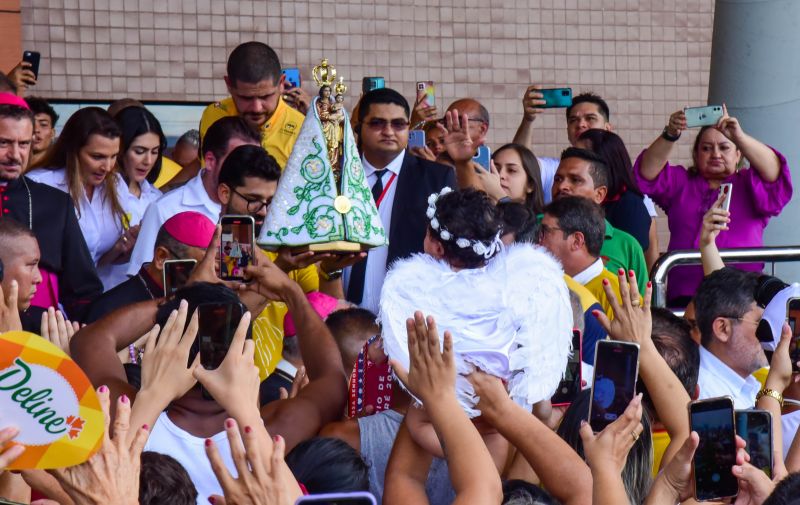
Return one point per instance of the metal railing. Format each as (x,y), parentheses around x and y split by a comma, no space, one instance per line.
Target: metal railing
(671,259)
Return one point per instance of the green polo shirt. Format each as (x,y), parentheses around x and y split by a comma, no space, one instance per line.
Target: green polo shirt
(621,250)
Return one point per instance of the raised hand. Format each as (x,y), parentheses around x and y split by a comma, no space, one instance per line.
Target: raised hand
(459,144)
(112,474)
(730,127)
(677,123)
(9,310)
(263,477)
(531,102)
(632,320)
(23,77)
(608,450)
(714,221)
(57,329)
(234,384)
(432,373)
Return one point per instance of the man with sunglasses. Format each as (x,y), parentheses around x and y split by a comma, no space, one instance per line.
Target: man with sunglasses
(184,236)
(727,317)
(401,184)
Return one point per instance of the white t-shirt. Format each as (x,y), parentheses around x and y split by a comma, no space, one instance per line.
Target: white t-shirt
(167,438)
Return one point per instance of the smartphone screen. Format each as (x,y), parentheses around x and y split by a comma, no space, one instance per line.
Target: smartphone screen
(217,323)
(713,420)
(353,498)
(483,157)
(755,427)
(33,57)
(291,77)
(176,274)
(616,368)
(370,83)
(793,318)
(236,247)
(726,189)
(570,385)
(556,97)
(416,138)
(425,92)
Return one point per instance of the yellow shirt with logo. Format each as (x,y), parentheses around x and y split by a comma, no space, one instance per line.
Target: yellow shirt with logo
(278,134)
(268,326)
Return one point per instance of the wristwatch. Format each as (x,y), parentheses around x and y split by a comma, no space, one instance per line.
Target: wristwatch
(330,276)
(666,135)
(772,394)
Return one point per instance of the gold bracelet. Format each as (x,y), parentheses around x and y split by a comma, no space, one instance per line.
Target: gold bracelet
(772,394)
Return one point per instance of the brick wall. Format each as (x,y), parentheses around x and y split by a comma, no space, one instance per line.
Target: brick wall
(646,57)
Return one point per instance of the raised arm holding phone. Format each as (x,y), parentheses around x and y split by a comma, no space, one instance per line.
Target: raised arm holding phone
(756,193)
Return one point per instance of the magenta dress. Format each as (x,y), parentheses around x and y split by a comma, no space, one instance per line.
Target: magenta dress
(687,197)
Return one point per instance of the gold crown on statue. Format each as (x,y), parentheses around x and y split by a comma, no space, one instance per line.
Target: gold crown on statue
(324,73)
(341,87)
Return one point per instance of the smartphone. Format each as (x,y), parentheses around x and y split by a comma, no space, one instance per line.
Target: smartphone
(556,98)
(755,427)
(425,92)
(616,369)
(416,138)
(702,116)
(176,274)
(370,83)
(33,57)
(726,189)
(570,385)
(353,498)
(483,157)
(217,323)
(713,420)
(236,247)
(291,77)
(793,318)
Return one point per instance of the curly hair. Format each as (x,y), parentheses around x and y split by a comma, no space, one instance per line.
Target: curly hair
(465,214)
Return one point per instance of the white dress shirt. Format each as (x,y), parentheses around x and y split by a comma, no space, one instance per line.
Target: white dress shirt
(192,196)
(100,227)
(135,206)
(718,379)
(377,257)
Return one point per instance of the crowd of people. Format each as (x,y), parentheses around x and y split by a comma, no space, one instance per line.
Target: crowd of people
(422,371)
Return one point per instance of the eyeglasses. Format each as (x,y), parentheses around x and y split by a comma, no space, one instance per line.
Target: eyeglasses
(546,230)
(254,205)
(397,125)
(743,320)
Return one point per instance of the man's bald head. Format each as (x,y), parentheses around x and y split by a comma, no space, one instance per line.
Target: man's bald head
(478,118)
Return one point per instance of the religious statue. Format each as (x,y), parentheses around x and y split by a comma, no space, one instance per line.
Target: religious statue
(323,201)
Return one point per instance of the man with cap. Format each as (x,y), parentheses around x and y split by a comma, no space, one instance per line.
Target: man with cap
(68,274)
(183,236)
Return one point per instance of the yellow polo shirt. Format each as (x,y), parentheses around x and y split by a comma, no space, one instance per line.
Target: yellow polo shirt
(268,326)
(595,286)
(278,134)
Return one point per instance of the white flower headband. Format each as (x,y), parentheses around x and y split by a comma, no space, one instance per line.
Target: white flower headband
(480,248)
